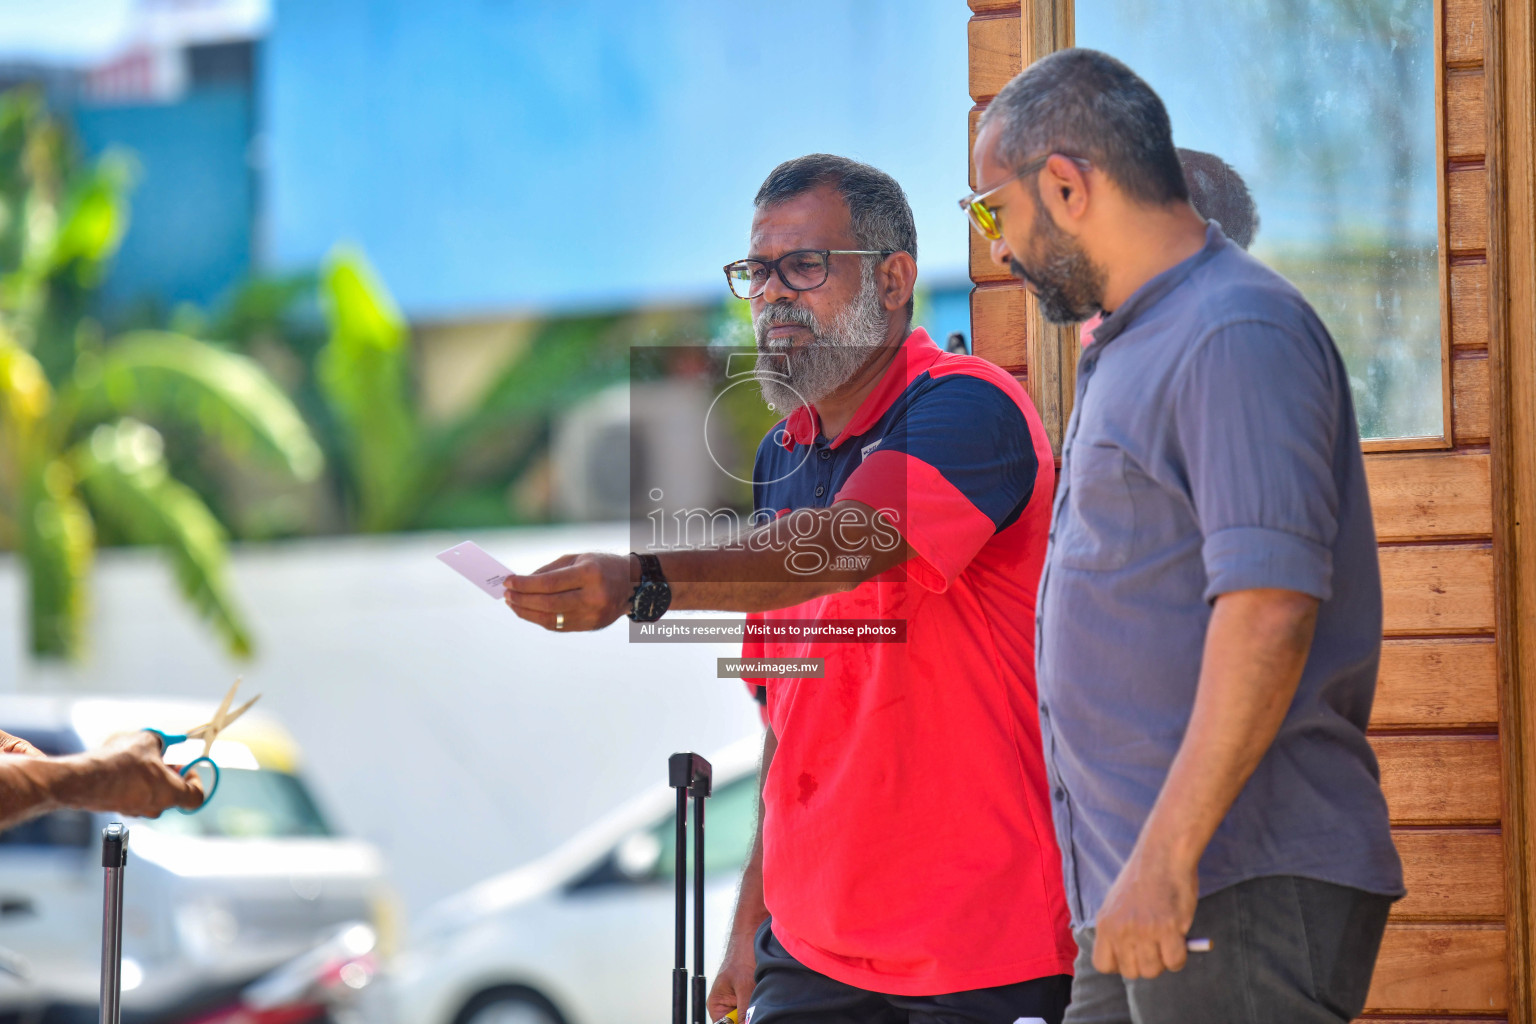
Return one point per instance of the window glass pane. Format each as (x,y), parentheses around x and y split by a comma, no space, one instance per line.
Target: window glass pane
(1326,108)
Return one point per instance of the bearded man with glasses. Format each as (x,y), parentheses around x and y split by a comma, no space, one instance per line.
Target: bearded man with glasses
(904,868)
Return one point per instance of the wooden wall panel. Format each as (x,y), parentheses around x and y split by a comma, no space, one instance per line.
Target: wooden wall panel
(1437,589)
(1425,496)
(1466,115)
(1445,684)
(1469,399)
(1469,305)
(1440,780)
(983,268)
(996,53)
(1440,967)
(970,148)
(1467,202)
(1464,29)
(1450,875)
(1000,315)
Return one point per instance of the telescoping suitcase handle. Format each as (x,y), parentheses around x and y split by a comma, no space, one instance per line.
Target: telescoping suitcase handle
(114,858)
(690,775)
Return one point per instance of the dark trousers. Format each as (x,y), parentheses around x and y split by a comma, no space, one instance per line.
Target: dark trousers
(1284,950)
(788,991)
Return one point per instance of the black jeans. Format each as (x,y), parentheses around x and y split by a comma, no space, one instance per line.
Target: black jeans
(1284,950)
(788,992)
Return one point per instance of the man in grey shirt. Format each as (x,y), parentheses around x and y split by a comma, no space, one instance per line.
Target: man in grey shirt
(1210,612)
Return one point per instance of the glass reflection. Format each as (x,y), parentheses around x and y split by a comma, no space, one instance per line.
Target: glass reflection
(1326,108)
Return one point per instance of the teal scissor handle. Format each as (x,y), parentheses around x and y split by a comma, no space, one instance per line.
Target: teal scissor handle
(169,740)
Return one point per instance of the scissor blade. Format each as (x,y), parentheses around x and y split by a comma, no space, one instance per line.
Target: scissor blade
(216,726)
(203,730)
(242,709)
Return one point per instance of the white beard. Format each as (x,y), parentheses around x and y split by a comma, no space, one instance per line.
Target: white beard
(835,353)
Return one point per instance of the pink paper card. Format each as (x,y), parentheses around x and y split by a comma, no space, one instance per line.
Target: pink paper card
(471,561)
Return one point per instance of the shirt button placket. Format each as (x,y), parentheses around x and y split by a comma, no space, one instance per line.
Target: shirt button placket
(824,471)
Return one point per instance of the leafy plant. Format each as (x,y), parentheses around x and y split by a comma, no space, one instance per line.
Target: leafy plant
(77,448)
(397,467)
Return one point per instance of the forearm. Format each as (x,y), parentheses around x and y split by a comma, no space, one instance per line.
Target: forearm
(1255,650)
(32,786)
(807,554)
(724,580)
(751,908)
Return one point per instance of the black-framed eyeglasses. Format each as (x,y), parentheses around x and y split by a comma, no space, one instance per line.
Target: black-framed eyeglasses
(800,270)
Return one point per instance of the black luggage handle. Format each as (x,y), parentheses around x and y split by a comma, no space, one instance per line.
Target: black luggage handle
(689,774)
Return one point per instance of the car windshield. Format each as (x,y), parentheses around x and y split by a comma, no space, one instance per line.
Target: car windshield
(251,805)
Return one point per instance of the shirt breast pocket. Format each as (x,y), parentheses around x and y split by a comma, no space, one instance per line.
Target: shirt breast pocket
(1098,530)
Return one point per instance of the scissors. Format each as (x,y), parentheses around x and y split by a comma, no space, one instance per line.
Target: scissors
(207,732)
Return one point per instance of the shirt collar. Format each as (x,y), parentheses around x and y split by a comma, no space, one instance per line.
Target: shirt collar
(1151,293)
(916,354)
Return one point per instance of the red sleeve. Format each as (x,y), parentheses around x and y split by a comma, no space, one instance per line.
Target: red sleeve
(939,523)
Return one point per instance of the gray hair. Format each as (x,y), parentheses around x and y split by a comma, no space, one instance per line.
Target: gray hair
(1085,103)
(878,208)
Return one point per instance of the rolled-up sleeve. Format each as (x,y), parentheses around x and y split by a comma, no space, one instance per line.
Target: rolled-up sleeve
(1257,423)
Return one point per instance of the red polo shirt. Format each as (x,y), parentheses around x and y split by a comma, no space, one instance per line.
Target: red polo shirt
(908,845)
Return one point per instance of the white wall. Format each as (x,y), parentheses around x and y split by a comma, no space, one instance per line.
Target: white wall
(436,724)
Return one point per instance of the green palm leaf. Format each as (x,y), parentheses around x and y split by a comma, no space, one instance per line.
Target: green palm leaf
(363,372)
(57,544)
(94,218)
(124,474)
(225,395)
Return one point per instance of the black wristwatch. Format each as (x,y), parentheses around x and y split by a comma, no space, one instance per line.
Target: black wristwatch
(652,594)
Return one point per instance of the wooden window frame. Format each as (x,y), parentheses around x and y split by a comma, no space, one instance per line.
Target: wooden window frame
(1510,63)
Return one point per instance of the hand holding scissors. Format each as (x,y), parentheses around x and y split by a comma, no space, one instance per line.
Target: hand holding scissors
(207,732)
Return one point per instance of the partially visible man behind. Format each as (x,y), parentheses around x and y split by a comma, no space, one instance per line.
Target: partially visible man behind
(1217,192)
(126,776)
(1210,609)
(904,850)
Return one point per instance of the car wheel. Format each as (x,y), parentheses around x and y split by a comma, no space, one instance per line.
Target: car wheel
(509,1006)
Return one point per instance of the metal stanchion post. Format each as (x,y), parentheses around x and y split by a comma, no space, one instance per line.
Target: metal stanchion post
(114,857)
(700,789)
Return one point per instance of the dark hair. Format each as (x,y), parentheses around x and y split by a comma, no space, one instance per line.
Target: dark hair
(1088,104)
(1220,194)
(878,208)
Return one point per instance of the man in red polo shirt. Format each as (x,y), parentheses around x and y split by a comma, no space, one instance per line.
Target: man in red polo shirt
(905,867)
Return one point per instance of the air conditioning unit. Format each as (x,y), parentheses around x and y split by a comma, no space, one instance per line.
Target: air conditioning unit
(633,448)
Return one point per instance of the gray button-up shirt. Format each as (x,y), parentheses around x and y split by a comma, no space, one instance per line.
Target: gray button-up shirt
(1213,448)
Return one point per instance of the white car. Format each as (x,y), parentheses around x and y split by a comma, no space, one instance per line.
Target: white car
(583,935)
(212,900)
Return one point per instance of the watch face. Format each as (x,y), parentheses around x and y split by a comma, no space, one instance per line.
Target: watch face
(651,600)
